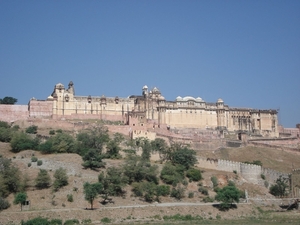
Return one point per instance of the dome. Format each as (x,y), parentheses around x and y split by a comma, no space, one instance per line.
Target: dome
(198,99)
(145,87)
(178,98)
(59,85)
(162,98)
(220,100)
(188,98)
(155,90)
(50,97)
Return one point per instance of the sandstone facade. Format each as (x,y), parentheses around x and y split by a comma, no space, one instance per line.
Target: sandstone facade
(151,110)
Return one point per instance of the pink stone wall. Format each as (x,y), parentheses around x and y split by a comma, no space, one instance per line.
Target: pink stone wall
(40,109)
(11,113)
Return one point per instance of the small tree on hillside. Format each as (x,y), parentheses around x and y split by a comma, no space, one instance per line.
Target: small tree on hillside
(20,198)
(93,159)
(280,187)
(43,179)
(61,179)
(227,196)
(91,192)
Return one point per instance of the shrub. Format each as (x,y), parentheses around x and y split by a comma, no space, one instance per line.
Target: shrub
(194,174)
(29,164)
(163,190)
(61,179)
(171,174)
(71,222)
(52,132)
(43,179)
(177,193)
(39,162)
(106,220)
(34,159)
(5,134)
(59,131)
(4,124)
(4,204)
(22,141)
(55,222)
(214,180)
(208,199)
(31,129)
(263,176)
(36,221)
(203,190)
(70,198)
(191,195)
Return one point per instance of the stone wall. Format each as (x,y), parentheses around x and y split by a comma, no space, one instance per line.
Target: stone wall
(40,109)
(250,172)
(11,113)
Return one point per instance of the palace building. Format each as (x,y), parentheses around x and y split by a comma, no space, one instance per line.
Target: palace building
(151,109)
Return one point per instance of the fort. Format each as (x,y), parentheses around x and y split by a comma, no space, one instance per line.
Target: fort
(148,113)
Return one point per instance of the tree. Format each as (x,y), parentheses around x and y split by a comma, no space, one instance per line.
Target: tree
(91,192)
(184,156)
(10,178)
(92,138)
(280,187)
(22,141)
(31,129)
(43,179)
(113,149)
(63,143)
(113,182)
(194,174)
(137,170)
(93,159)
(20,198)
(8,100)
(227,196)
(61,179)
(172,174)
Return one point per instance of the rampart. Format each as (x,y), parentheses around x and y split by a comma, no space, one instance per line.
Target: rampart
(250,172)
(11,113)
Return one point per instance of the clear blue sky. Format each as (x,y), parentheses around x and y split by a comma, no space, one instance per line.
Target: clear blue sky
(245,52)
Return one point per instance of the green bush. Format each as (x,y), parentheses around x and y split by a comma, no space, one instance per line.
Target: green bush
(56,222)
(4,124)
(36,221)
(29,164)
(22,141)
(203,190)
(106,220)
(177,193)
(39,162)
(34,159)
(5,134)
(71,222)
(4,204)
(70,198)
(263,176)
(194,174)
(191,195)
(52,132)
(214,180)
(61,179)
(171,174)
(31,129)
(163,190)
(208,199)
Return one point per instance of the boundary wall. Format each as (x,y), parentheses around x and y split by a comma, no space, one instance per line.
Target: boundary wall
(250,172)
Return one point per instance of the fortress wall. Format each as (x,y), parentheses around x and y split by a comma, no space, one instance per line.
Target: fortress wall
(272,175)
(11,113)
(91,116)
(40,108)
(251,172)
(208,164)
(229,166)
